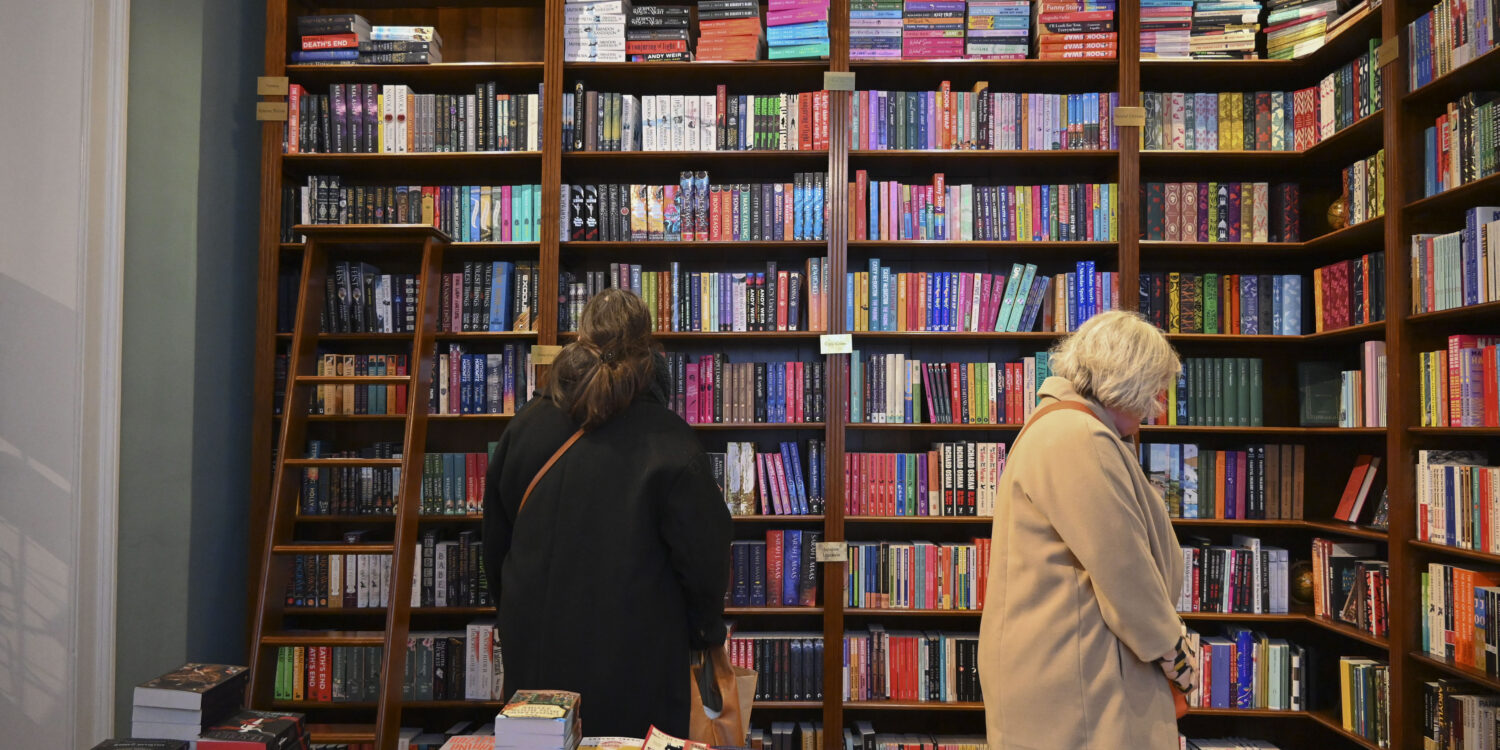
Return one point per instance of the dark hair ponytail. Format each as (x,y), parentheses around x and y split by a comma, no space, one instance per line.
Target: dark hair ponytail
(610,364)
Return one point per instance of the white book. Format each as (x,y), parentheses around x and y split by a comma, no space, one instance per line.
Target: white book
(387,119)
(679,124)
(708,119)
(533,127)
(663,122)
(573,16)
(165,731)
(738,280)
(1325,107)
(793,116)
(747,109)
(690,123)
(787,139)
(593,32)
(594,8)
(383,580)
(351,578)
(471,122)
(416,575)
(630,128)
(648,123)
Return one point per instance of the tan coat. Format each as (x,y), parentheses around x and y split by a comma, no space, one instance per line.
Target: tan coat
(1084,576)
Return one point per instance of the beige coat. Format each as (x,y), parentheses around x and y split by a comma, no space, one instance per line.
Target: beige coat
(1083,580)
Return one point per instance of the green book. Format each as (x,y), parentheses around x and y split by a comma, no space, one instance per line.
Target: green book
(1205,484)
(339,668)
(1231,392)
(1195,392)
(1213,210)
(857,389)
(1210,293)
(1042,369)
(1257,399)
(283,676)
(1216,397)
(1242,379)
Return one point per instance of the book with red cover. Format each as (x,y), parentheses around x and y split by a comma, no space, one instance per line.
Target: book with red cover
(1357,487)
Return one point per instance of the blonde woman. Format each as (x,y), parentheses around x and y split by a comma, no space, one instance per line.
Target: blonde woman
(1079,623)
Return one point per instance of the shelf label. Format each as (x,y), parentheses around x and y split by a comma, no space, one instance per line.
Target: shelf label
(836,343)
(1388,52)
(1130,117)
(542,354)
(832,552)
(272,86)
(837,81)
(270,111)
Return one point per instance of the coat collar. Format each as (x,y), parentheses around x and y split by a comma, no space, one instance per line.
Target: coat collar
(1058,388)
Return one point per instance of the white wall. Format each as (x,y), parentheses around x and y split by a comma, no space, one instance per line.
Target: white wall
(61,234)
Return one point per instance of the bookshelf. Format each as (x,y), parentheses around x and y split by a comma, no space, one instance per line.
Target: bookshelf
(518,42)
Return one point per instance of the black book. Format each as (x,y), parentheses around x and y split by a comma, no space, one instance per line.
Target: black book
(342,23)
(657,35)
(397,45)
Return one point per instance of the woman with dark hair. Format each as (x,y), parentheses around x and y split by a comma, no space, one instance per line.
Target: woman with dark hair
(617,566)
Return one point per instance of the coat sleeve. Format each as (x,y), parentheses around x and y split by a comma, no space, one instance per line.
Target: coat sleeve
(1088,497)
(497,523)
(696,528)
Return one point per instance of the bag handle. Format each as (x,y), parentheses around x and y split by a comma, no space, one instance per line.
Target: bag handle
(543,471)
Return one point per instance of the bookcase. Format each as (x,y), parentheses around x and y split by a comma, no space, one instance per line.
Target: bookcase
(519,44)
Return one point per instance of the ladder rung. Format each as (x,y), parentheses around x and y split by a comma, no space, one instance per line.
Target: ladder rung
(332,548)
(325,638)
(339,462)
(354,379)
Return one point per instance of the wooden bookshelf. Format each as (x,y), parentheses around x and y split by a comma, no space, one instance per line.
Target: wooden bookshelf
(518,43)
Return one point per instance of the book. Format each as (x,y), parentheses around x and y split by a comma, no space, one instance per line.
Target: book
(1024,213)
(1361,479)
(1318,394)
(273,730)
(950,479)
(953,679)
(1272,217)
(370,118)
(724,121)
(1245,577)
(193,686)
(736,212)
(932,576)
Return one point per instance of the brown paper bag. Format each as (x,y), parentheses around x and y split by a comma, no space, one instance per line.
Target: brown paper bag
(722,695)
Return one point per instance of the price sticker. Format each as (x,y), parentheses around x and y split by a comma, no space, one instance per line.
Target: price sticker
(836,343)
(832,552)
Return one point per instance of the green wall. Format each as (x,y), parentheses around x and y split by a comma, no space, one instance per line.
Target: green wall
(192,166)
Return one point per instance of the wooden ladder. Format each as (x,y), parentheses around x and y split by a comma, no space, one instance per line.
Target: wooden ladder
(394,241)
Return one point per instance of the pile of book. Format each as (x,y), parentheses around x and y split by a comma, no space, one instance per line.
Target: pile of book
(874,29)
(998,30)
(1295,28)
(181,704)
(797,29)
(348,38)
(1166,27)
(932,29)
(1225,29)
(1075,29)
(594,30)
(657,33)
(729,30)
(539,720)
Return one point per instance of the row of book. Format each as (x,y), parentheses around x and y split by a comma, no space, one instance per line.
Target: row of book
(612,121)
(1246,669)
(921,666)
(1220,212)
(1456,711)
(882,299)
(1247,304)
(697,211)
(368,118)
(1362,392)
(1261,481)
(917,575)
(350,399)
(981,119)
(789,664)
(712,390)
(358,298)
(950,479)
(770,300)
(466,213)
(1458,384)
(1216,392)
(1451,35)
(771,483)
(785,735)
(863,736)
(467,383)
(893,210)
(781,571)
(1459,268)
(339,581)
(893,388)
(349,38)
(1262,120)
(1365,687)
(328,674)
(1349,292)
(453,483)
(1458,499)
(1166,31)
(1364,189)
(1297,28)
(442,665)
(489,297)
(1458,624)
(1351,585)
(1244,577)
(451,572)
(350,490)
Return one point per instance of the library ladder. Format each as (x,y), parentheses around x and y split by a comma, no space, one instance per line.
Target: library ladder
(398,243)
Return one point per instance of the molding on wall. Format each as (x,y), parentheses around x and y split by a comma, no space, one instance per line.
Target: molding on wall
(101,244)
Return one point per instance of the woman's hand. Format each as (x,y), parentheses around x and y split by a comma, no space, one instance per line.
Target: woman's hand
(1181,665)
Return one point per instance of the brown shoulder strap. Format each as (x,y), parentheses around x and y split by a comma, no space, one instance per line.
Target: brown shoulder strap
(1048,409)
(541,473)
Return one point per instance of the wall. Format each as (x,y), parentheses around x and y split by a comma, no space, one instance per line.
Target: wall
(191,229)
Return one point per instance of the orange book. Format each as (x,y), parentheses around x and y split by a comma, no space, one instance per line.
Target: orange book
(1219,475)
(1362,467)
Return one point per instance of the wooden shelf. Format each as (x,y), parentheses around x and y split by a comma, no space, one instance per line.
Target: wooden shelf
(1349,529)
(1476,676)
(630,157)
(1348,631)
(787,704)
(1335,723)
(1358,332)
(1451,203)
(711,335)
(325,638)
(1466,314)
(342,462)
(899,612)
(735,426)
(305,706)
(1448,551)
(1265,713)
(508,74)
(1479,73)
(336,734)
(1457,432)
(470,417)
(1045,337)
(332,548)
(485,335)
(799,611)
(1243,617)
(926,427)
(380,611)
(911,706)
(811,518)
(919,519)
(1309,431)
(1324,248)
(729,245)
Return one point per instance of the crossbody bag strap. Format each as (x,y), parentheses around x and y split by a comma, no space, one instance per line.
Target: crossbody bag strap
(543,471)
(1059,406)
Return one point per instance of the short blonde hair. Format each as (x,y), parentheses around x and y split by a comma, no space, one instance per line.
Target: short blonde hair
(1119,360)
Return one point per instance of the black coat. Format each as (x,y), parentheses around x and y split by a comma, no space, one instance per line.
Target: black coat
(616,569)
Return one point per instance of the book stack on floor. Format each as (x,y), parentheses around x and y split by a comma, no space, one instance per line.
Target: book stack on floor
(797,29)
(658,33)
(1296,28)
(594,30)
(875,29)
(255,729)
(998,30)
(729,30)
(1166,28)
(1225,29)
(932,29)
(180,704)
(1062,26)
(539,720)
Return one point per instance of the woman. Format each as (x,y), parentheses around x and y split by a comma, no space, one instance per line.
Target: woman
(617,567)
(1079,621)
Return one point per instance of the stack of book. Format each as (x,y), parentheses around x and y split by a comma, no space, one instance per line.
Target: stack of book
(998,30)
(255,729)
(657,33)
(1166,28)
(1075,29)
(594,30)
(874,29)
(182,703)
(1295,28)
(401,45)
(729,30)
(331,38)
(539,720)
(1225,29)
(932,29)
(797,29)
